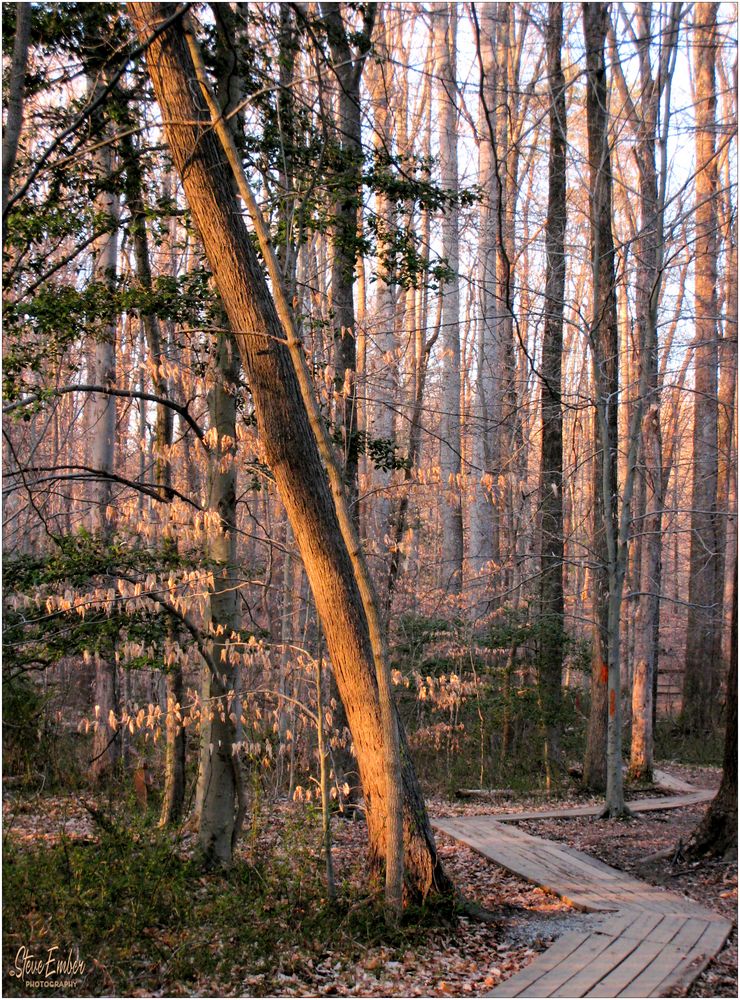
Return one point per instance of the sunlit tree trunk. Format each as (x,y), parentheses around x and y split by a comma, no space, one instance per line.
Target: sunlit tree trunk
(290,445)
(700,677)
(603,762)
(384,380)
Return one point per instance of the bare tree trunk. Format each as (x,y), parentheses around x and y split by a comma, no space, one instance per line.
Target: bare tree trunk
(14,120)
(218,778)
(173,797)
(218,788)
(700,677)
(717,832)
(444,19)
(384,378)
(650,273)
(288,435)
(550,667)
(106,743)
(345,215)
(483,543)
(602,766)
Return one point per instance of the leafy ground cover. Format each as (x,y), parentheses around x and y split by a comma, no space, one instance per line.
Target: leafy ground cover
(148,920)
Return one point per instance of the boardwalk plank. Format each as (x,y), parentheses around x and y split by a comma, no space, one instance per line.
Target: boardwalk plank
(648,941)
(581,958)
(561,949)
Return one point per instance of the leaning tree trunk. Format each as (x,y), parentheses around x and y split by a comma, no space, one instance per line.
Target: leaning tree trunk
(106,742)
(603,763)
(289,442)
(700,680)
(550,666)
(444,18)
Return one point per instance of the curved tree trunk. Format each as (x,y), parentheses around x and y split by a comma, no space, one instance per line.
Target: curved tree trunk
(290,446)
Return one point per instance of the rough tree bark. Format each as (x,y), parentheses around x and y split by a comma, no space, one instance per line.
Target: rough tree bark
(290,445)
(602,765)
(700,676)
(347,66)
(717,832)
(550,665)
(218,784)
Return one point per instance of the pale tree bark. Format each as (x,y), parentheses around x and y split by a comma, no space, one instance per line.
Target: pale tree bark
(292,437)
(603,761)
(14,119)
(444,21)
(700,676)
(483,541)
(550,666)
(384,378)
(106,742)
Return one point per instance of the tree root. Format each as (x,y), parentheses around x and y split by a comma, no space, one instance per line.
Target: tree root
(622,814)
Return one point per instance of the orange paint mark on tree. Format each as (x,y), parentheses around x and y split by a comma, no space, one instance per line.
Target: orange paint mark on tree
(604,675)
(612,702)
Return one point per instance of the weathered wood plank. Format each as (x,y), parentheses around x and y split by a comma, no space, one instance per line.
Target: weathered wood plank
(619,978)
(581,958)
(561,949)
(637,806)
(649,940)
(692,947)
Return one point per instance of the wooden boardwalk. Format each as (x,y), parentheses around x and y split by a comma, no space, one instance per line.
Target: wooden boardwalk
(649,942)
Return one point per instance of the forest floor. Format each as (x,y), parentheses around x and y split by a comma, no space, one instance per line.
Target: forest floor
(342,955)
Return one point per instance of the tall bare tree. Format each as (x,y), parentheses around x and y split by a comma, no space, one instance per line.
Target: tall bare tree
(551,470)
(700,677)
(603,766)
(444,19)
